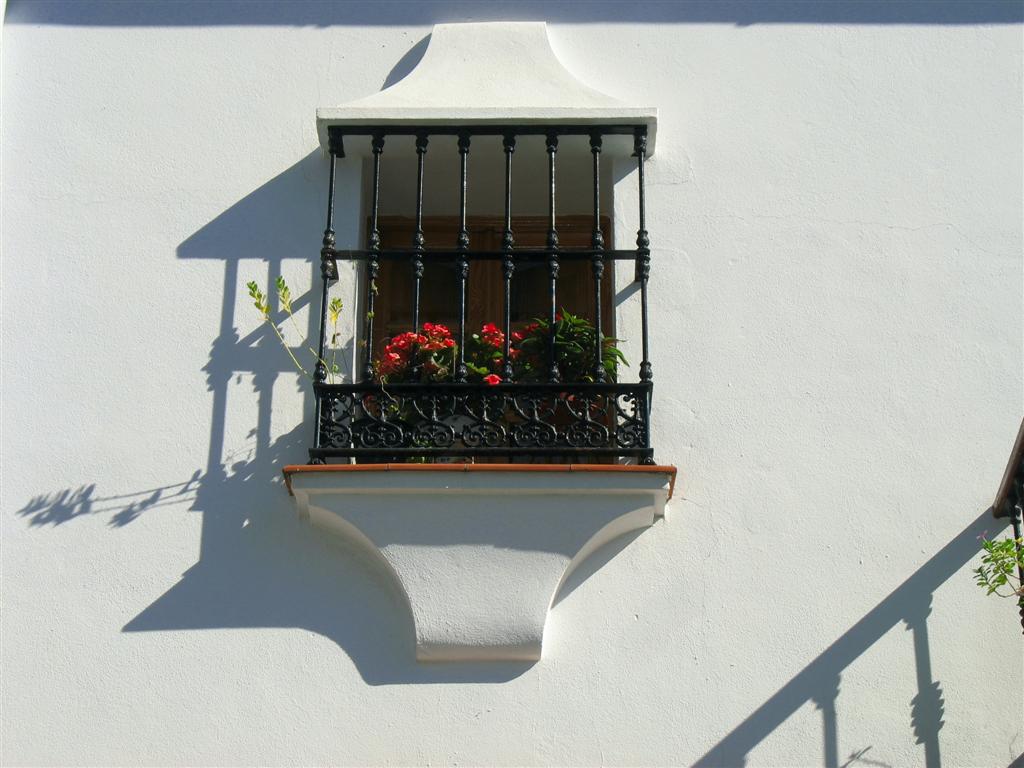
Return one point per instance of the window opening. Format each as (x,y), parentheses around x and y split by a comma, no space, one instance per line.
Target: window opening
(570,403)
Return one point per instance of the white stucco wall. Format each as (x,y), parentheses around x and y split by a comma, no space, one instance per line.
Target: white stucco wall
(835,207)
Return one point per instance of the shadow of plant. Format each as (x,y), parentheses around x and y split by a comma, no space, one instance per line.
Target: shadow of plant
(63,506)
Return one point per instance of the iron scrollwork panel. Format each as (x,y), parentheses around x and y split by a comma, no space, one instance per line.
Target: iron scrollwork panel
(471,419)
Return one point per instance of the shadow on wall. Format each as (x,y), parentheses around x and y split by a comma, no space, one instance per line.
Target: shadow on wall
(306,13)
(820,681)
(259,567)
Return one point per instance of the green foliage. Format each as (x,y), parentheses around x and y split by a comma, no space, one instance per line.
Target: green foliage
(259,298)
(334,309)
(284,297)
(999,574)
(484,354)
(575,340)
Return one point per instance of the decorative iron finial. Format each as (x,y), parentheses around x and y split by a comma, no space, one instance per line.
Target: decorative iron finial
(335,141)
(640,141)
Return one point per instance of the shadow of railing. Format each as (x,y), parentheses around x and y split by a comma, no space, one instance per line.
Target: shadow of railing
(258,567)
(819,682)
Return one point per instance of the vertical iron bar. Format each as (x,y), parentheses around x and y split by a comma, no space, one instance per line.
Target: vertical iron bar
(373,263)
(463,246)
(643,273)
(1016,512)
(328,272)
(552,147)
(507,244)
(643,252)
(418,239)
(597,242)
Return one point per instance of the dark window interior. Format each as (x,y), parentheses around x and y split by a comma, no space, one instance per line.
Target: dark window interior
(485,295)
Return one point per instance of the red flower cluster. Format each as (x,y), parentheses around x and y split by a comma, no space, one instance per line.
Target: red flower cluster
(397,354)
(437,337)
(431,354)
(492,335)
(407,349)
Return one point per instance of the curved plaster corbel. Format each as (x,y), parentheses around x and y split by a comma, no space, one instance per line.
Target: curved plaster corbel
(480,554)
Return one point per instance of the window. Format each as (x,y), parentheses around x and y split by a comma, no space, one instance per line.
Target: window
(543,385)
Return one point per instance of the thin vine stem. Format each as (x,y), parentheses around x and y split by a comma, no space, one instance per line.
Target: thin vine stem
(287,349)
(334,348)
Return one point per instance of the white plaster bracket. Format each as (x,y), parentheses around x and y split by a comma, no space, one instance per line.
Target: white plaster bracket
(480,551)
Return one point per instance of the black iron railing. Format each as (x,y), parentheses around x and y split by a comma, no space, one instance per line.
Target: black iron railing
(554,420)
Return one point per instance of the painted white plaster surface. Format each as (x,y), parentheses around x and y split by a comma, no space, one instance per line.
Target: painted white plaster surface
(835,211)
(495,72)
(452,540)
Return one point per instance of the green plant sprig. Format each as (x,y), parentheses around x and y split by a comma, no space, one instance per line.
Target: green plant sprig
(334,312)
(284,297)
(575,339)
(999,572)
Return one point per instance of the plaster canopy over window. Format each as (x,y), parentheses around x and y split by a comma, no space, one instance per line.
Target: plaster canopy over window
(493,73)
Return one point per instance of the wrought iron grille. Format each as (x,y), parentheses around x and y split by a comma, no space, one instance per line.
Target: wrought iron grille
(516,421)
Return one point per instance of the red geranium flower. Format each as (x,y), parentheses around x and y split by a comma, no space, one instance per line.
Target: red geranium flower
(492,335)
(492,379)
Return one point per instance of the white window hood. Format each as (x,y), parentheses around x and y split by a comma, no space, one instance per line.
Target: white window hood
(499,73)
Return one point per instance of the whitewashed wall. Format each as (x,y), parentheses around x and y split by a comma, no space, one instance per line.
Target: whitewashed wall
(836,208)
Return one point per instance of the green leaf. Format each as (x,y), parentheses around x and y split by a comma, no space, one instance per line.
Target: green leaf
(335,308)
(284,294)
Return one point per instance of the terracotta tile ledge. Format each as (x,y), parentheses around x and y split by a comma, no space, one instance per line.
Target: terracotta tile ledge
(663,469)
